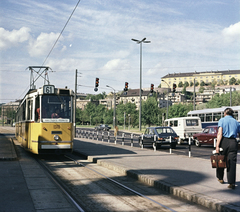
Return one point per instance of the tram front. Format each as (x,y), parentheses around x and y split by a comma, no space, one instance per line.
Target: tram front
(55,118)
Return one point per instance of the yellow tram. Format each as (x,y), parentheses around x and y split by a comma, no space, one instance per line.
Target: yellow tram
(44,120)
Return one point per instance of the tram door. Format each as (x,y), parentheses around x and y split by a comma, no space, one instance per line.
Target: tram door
(29,124)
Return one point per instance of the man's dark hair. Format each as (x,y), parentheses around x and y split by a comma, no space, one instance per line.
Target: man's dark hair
(229,111)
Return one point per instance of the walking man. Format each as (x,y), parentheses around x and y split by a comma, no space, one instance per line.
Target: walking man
(228,128)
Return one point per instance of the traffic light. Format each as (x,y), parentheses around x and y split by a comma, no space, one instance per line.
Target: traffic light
(152,88)
(126,86)
(174,87)
(97,82)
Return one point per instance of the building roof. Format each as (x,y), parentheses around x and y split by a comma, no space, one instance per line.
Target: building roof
(134,92)
(188,74)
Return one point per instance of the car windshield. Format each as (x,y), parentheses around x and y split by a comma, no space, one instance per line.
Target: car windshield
(164,130)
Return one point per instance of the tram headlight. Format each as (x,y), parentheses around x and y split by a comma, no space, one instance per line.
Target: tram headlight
(56,137)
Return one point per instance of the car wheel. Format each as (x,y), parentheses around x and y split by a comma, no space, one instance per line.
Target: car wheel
(173,146)
(197,143)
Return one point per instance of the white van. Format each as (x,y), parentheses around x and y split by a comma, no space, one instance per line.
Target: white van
(185,127)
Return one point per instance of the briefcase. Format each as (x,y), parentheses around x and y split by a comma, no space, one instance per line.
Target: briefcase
(219,161)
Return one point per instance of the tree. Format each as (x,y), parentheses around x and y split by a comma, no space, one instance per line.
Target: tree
(202,83)
(224,100)
(180,84)
(213,84)
(232,81)
(179,110)
(201,89)
(184,91)
(128,108)
(186,84)
(96,97)
(150,111)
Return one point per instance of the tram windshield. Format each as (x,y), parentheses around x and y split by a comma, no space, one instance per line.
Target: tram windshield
(56,108)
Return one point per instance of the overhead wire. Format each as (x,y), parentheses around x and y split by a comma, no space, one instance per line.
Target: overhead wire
(55,43)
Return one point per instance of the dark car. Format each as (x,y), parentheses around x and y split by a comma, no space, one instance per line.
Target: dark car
(103,127)
(162,135)
(207,136)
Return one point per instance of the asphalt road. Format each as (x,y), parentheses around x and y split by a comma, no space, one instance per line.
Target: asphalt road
(124,138)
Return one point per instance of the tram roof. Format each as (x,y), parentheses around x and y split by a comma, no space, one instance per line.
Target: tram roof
(212,110)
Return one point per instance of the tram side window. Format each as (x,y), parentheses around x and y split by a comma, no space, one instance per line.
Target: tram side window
(23,109)
(235,115)
(37,109)
(216,116)
(201,116)
(208,117)
(29,110)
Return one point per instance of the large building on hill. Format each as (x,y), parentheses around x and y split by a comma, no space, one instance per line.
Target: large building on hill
(206,77)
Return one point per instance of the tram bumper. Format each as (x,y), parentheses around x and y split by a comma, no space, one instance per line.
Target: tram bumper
(56,147)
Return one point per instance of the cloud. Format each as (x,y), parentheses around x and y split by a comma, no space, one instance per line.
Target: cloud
(12,38)
(43,44)
(232,33)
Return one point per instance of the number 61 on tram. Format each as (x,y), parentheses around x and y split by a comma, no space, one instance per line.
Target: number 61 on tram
(44,120)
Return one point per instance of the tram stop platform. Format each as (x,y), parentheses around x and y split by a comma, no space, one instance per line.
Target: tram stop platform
(186,177)
(24,186)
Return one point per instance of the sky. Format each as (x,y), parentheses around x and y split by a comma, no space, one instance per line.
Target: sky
(186,36)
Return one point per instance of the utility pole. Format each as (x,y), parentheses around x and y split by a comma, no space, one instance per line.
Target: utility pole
(230,96)
(75,106)
(194,98)
(140,89)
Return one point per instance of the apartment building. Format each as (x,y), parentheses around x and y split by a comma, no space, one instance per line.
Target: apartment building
(207,77)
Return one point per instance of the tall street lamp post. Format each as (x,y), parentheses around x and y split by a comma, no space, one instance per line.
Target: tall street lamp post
(140,89)
(167,97)
(114,111)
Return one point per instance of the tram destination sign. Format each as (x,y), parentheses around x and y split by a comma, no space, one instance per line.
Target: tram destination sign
(48,89)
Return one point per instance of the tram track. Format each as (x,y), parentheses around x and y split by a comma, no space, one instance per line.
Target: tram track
(124,194)
(93,188)
(120,184)
(61,186)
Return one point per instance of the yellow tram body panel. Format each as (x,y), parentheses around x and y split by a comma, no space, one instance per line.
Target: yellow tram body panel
(45,137)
